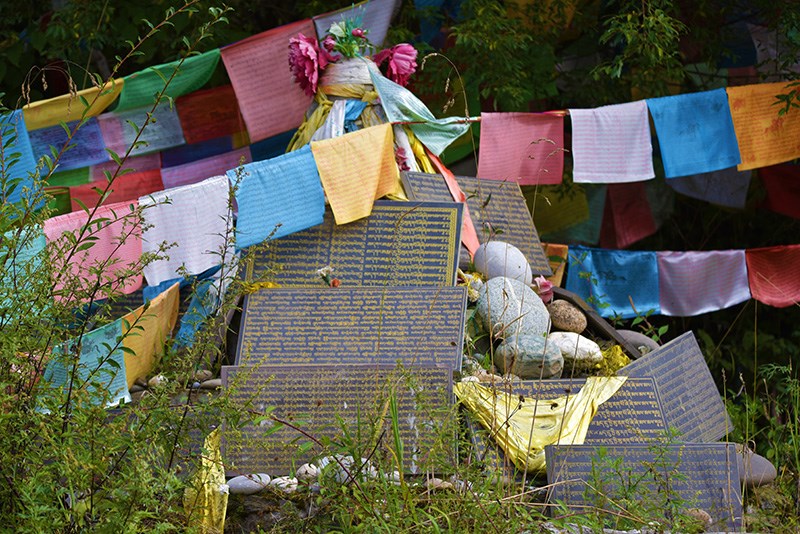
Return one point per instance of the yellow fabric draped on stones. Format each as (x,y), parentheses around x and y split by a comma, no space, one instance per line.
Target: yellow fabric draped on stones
(205,501)
(523,426)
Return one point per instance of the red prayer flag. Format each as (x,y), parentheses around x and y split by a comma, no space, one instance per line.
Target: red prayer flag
(627,217)
(125,188)
(209,114)
(782,183)
(774,274)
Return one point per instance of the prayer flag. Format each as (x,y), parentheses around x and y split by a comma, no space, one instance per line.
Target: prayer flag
(765,138)
(196,171)
(375,15)
(85,148)
(627,218)
(611,144)
(19,160)
(209,114)
(161,132)
(196,218)
(692,283)
(356,169)
(66,108)
(126,187)
(258,67)
(527,148)
(610,279)
(587,232)
(782,183)
(277,197)
(727,187)
(773,275)
(183,76)
(695,132)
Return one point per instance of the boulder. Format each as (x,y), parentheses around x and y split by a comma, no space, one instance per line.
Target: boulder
(576,349)
(566,316)
(497,258)
(507,307)
(529,357)
(754,469)
(248,484)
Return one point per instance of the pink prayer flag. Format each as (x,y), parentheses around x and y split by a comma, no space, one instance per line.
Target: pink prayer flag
(692,283)
(197,171)
(127,187)
(527,148)
(774,274)
(117,243)
(765,138)
(627,217)
(611,144)
(270,101)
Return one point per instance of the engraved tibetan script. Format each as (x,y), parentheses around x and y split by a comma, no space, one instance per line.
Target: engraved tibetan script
(413,325)
(328,400)
(690,398)
(704,476)
(497,209)
(400,243)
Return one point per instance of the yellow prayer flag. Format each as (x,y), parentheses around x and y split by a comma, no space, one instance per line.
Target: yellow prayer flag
(556,208)
(765,138)
(146,331)
(356,169)
(69,107)
(557,258)
(206,500)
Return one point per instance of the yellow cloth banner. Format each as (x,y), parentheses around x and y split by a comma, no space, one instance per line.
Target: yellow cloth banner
(765,138)
(522,426)
(69,107)
(145,332)
(557,258)
(556,208)
(205,501)
(356,169)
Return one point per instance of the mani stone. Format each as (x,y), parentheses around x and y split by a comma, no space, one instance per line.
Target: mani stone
(566,316)
(248,484)
(529,357)
(496,258)
(508,307)
(576,349)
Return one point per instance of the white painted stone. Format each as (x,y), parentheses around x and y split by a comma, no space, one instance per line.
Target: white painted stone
(248,484)
(576,349)
(497,258)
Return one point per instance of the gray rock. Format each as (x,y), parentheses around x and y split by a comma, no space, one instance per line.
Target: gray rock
(156,381)
(135,388)
(529,357)
(566,316)
(639,340)
(248,484)
(507,307)
(754,469)
(202,375)
(214,383)
(497,258)
(576,349)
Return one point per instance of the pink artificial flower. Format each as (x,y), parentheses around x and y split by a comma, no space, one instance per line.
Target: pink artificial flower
(359,32)
(305,62)
(544,288)
(402,62)
(328,45)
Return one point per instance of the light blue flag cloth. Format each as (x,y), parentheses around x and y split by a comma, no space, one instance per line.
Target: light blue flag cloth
(19,159)
(609,279)
(278,197)
(85,148)
(101,367)
(695,132)
(16,257)
(352,111)
(400,105)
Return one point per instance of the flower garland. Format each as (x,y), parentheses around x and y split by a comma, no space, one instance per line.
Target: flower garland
(345,39)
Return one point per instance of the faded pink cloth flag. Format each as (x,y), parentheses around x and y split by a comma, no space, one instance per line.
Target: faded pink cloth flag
(197,171)
(627,217)
(527,148)
(611,144)
(117,243)
(773,274)
(692,283)
(270,101)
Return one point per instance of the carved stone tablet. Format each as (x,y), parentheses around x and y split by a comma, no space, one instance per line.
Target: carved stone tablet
(349,325)
(691,401)
(325,401)
(400,243)
(663,477)
(497,209)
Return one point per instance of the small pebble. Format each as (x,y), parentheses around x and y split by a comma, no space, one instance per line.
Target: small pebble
(438,484)
(203,374)
(136,388)
(141,381)
(157,381)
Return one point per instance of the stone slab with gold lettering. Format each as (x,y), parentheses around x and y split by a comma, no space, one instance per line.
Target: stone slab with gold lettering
(666,478)
(331,402)
(497,209)
(350,325)
(400,243)
(689,395)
